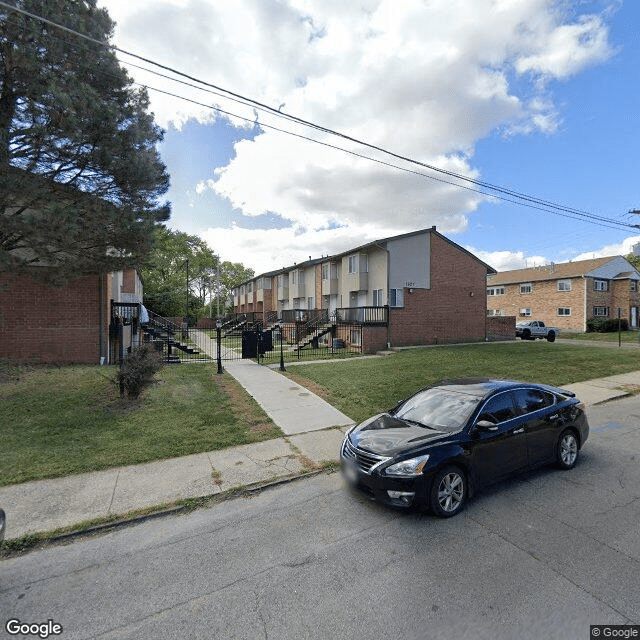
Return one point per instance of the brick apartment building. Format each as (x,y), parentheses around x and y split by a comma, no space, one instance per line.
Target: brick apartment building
(566,295)
(431,290)
(69,324)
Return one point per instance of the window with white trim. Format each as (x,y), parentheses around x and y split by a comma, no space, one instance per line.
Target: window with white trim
(525,312)
(564,285)
(495,291)
(601,285)
(526,287)
(325,271)
(396,297)
(377,297)
(564,311)
(600,312)
(353,264)
(633,285)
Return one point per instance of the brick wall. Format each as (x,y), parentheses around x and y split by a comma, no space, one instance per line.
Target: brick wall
(453,310)
(374,339)
(501,328)
(50,325)
(544,302)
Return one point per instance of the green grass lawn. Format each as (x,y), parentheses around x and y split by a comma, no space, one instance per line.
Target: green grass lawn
(361,388)
(58,421)
(625,336)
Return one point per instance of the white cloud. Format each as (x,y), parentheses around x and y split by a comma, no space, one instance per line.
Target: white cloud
(425,79)
(623,248)
(279,248)
(508,260)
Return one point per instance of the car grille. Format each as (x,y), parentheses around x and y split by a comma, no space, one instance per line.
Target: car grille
(363,459)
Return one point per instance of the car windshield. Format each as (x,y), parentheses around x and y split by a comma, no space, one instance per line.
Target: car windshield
(439,408)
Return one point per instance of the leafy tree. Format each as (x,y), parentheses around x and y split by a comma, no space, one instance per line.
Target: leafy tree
(177,256)
(80,175)
(634,260)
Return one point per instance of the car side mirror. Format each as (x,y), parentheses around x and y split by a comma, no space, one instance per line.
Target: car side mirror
(486,425)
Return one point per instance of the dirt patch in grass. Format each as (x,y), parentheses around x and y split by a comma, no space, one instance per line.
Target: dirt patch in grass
(251,412)
(314,387)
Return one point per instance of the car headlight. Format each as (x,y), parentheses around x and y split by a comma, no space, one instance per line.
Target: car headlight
(408,468)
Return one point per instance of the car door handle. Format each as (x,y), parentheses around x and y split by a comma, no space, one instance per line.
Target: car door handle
(555,416)
(521,430)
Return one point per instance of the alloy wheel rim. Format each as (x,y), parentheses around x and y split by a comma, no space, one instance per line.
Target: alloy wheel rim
(451,492)
(568,449)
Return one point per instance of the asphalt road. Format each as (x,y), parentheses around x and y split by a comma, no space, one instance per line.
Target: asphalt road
(542,556)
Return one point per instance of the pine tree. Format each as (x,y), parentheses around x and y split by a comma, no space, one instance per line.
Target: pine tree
(80,174)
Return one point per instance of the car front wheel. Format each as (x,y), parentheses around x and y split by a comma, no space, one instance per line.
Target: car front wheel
(448,492)
(567,450)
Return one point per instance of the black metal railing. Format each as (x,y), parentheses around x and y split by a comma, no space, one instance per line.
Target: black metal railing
(177,343)
(363,315)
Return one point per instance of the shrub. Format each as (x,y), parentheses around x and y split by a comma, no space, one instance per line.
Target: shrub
(599,325)
(138,370)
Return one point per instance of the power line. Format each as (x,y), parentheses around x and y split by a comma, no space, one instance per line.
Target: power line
(479,186)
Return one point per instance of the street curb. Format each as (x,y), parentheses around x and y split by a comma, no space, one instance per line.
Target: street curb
(122,522)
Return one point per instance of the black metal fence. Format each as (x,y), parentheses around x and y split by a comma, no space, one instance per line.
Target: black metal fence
(292,334)
(177,342)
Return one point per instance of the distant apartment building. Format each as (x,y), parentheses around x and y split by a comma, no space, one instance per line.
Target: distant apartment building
(415,288)
(566,295)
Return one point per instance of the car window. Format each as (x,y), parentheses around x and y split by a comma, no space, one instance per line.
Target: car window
(440,408)
(528,400)
(498,408)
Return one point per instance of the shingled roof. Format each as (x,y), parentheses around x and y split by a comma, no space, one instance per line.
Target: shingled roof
(550,271)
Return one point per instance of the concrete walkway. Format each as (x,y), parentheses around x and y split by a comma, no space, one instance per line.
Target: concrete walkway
(314,432)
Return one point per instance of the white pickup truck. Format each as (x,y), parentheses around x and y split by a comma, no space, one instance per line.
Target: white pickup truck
(536,329)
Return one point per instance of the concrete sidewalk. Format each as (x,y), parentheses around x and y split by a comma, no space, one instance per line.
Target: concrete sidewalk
(315,431)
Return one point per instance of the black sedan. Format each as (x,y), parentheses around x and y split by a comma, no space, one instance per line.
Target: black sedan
(440,444)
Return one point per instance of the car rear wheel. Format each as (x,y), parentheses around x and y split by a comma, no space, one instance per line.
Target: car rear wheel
(526,334)
(551,336)
(448,492)
(567,449)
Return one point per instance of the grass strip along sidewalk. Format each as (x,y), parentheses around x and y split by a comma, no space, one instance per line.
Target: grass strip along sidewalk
(59,421)
(361,388)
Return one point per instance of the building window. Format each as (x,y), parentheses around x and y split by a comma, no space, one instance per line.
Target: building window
(495,291)
(601,285)
(396,297)
(249,287)
(356,336)
(564,311)
(600,311)
(359,263)
(353,264)
(325,271)
(564,285)
(525,312)
(633,285)
(310,303)
(494,312)
(294,277)
(526,287)
(377,297)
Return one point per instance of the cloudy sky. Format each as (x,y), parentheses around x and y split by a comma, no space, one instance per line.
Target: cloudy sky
(536,96)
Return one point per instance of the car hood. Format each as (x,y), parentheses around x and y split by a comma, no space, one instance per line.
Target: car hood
(389,436)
